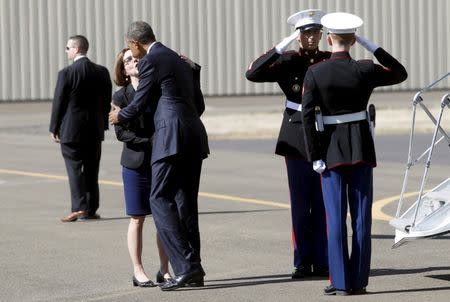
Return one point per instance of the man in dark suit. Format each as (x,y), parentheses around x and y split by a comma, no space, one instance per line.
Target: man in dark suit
(341,147)
(79,118)
(288,69)
(167,88)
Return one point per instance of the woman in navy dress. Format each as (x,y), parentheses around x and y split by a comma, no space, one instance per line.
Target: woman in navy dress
(136,169)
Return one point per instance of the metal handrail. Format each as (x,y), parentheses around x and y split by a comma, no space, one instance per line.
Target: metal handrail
(417,99)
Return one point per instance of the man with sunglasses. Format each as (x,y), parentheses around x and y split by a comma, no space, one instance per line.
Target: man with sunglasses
(288,69)
(78,121)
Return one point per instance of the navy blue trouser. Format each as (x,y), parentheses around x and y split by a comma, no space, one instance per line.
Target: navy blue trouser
(352,185)
(174,205)
(308,215)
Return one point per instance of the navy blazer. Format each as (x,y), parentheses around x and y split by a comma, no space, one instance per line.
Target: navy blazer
(81,102)
(168,90)
(338,86)
(135,135)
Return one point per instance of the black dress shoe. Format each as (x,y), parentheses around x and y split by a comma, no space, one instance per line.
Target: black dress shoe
(196,283)
(195,277)
(359,291)
(160,278)
(320,271)
(302,271)
(89,217)
(330,290)
(148,283)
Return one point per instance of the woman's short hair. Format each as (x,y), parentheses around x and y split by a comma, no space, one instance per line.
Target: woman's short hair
(120,78)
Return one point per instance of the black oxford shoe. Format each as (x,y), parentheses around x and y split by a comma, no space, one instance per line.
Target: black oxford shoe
(300,272)
(320,271)
(359,291)
(188,279)
(330,290)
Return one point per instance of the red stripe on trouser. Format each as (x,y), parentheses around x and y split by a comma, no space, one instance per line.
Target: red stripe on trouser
(294,242)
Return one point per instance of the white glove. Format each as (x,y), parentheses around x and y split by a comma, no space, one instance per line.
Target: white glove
(283,45)
(367,44)
(319,166)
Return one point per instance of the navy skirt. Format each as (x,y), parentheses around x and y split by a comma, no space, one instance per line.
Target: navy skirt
(136,187)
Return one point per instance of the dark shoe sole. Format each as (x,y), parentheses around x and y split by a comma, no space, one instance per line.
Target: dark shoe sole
(331,291)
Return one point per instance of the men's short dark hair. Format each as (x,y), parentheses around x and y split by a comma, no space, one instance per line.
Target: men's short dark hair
(81,42)
(141,32)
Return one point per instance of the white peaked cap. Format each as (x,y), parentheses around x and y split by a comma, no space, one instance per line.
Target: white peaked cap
(306,19)
(341,23)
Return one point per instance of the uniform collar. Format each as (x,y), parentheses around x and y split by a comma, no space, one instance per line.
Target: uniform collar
(308,53)
(340,55)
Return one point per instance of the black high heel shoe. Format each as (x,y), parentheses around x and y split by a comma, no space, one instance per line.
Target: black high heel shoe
(160,278)
(148,283)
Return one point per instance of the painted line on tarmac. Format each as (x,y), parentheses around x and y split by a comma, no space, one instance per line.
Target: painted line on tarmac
(377,207)
(377,210)
(119,184)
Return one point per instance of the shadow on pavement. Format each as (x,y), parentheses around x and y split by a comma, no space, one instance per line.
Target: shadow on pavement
(390,271)
(251,281)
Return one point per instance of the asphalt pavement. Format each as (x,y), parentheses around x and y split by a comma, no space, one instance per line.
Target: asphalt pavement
(244,215)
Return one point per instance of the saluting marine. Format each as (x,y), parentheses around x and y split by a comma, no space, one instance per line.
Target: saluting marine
(288,69)
(336,94)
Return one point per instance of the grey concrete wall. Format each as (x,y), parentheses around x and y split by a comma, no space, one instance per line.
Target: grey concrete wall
(222,35)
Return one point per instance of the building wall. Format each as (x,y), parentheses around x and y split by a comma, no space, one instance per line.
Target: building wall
(224,36)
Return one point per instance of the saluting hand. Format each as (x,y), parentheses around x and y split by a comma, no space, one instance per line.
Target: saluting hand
(283,45)
(113,116)
(366,43)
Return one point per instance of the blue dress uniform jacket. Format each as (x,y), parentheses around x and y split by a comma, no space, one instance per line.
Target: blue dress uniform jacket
(288,70)
(308,214)
(339,86)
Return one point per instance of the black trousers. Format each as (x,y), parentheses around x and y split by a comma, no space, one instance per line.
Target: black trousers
(174,204)
(82,164)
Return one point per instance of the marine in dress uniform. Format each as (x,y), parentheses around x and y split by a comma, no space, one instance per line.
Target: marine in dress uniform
(288,69)
(343,148)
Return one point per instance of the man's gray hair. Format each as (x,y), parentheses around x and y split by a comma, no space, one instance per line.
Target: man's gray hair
(141,32)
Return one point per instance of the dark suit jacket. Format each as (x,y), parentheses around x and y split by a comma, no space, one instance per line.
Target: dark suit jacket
(81,102)
(168,90)
(338,86)
(135,135)
(288,70)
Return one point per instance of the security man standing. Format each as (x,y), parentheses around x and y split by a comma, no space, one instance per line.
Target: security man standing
(341,147)
(288,69)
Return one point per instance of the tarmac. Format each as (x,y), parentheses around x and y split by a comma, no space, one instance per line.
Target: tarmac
(244,214)
(260,116)
(238,117)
